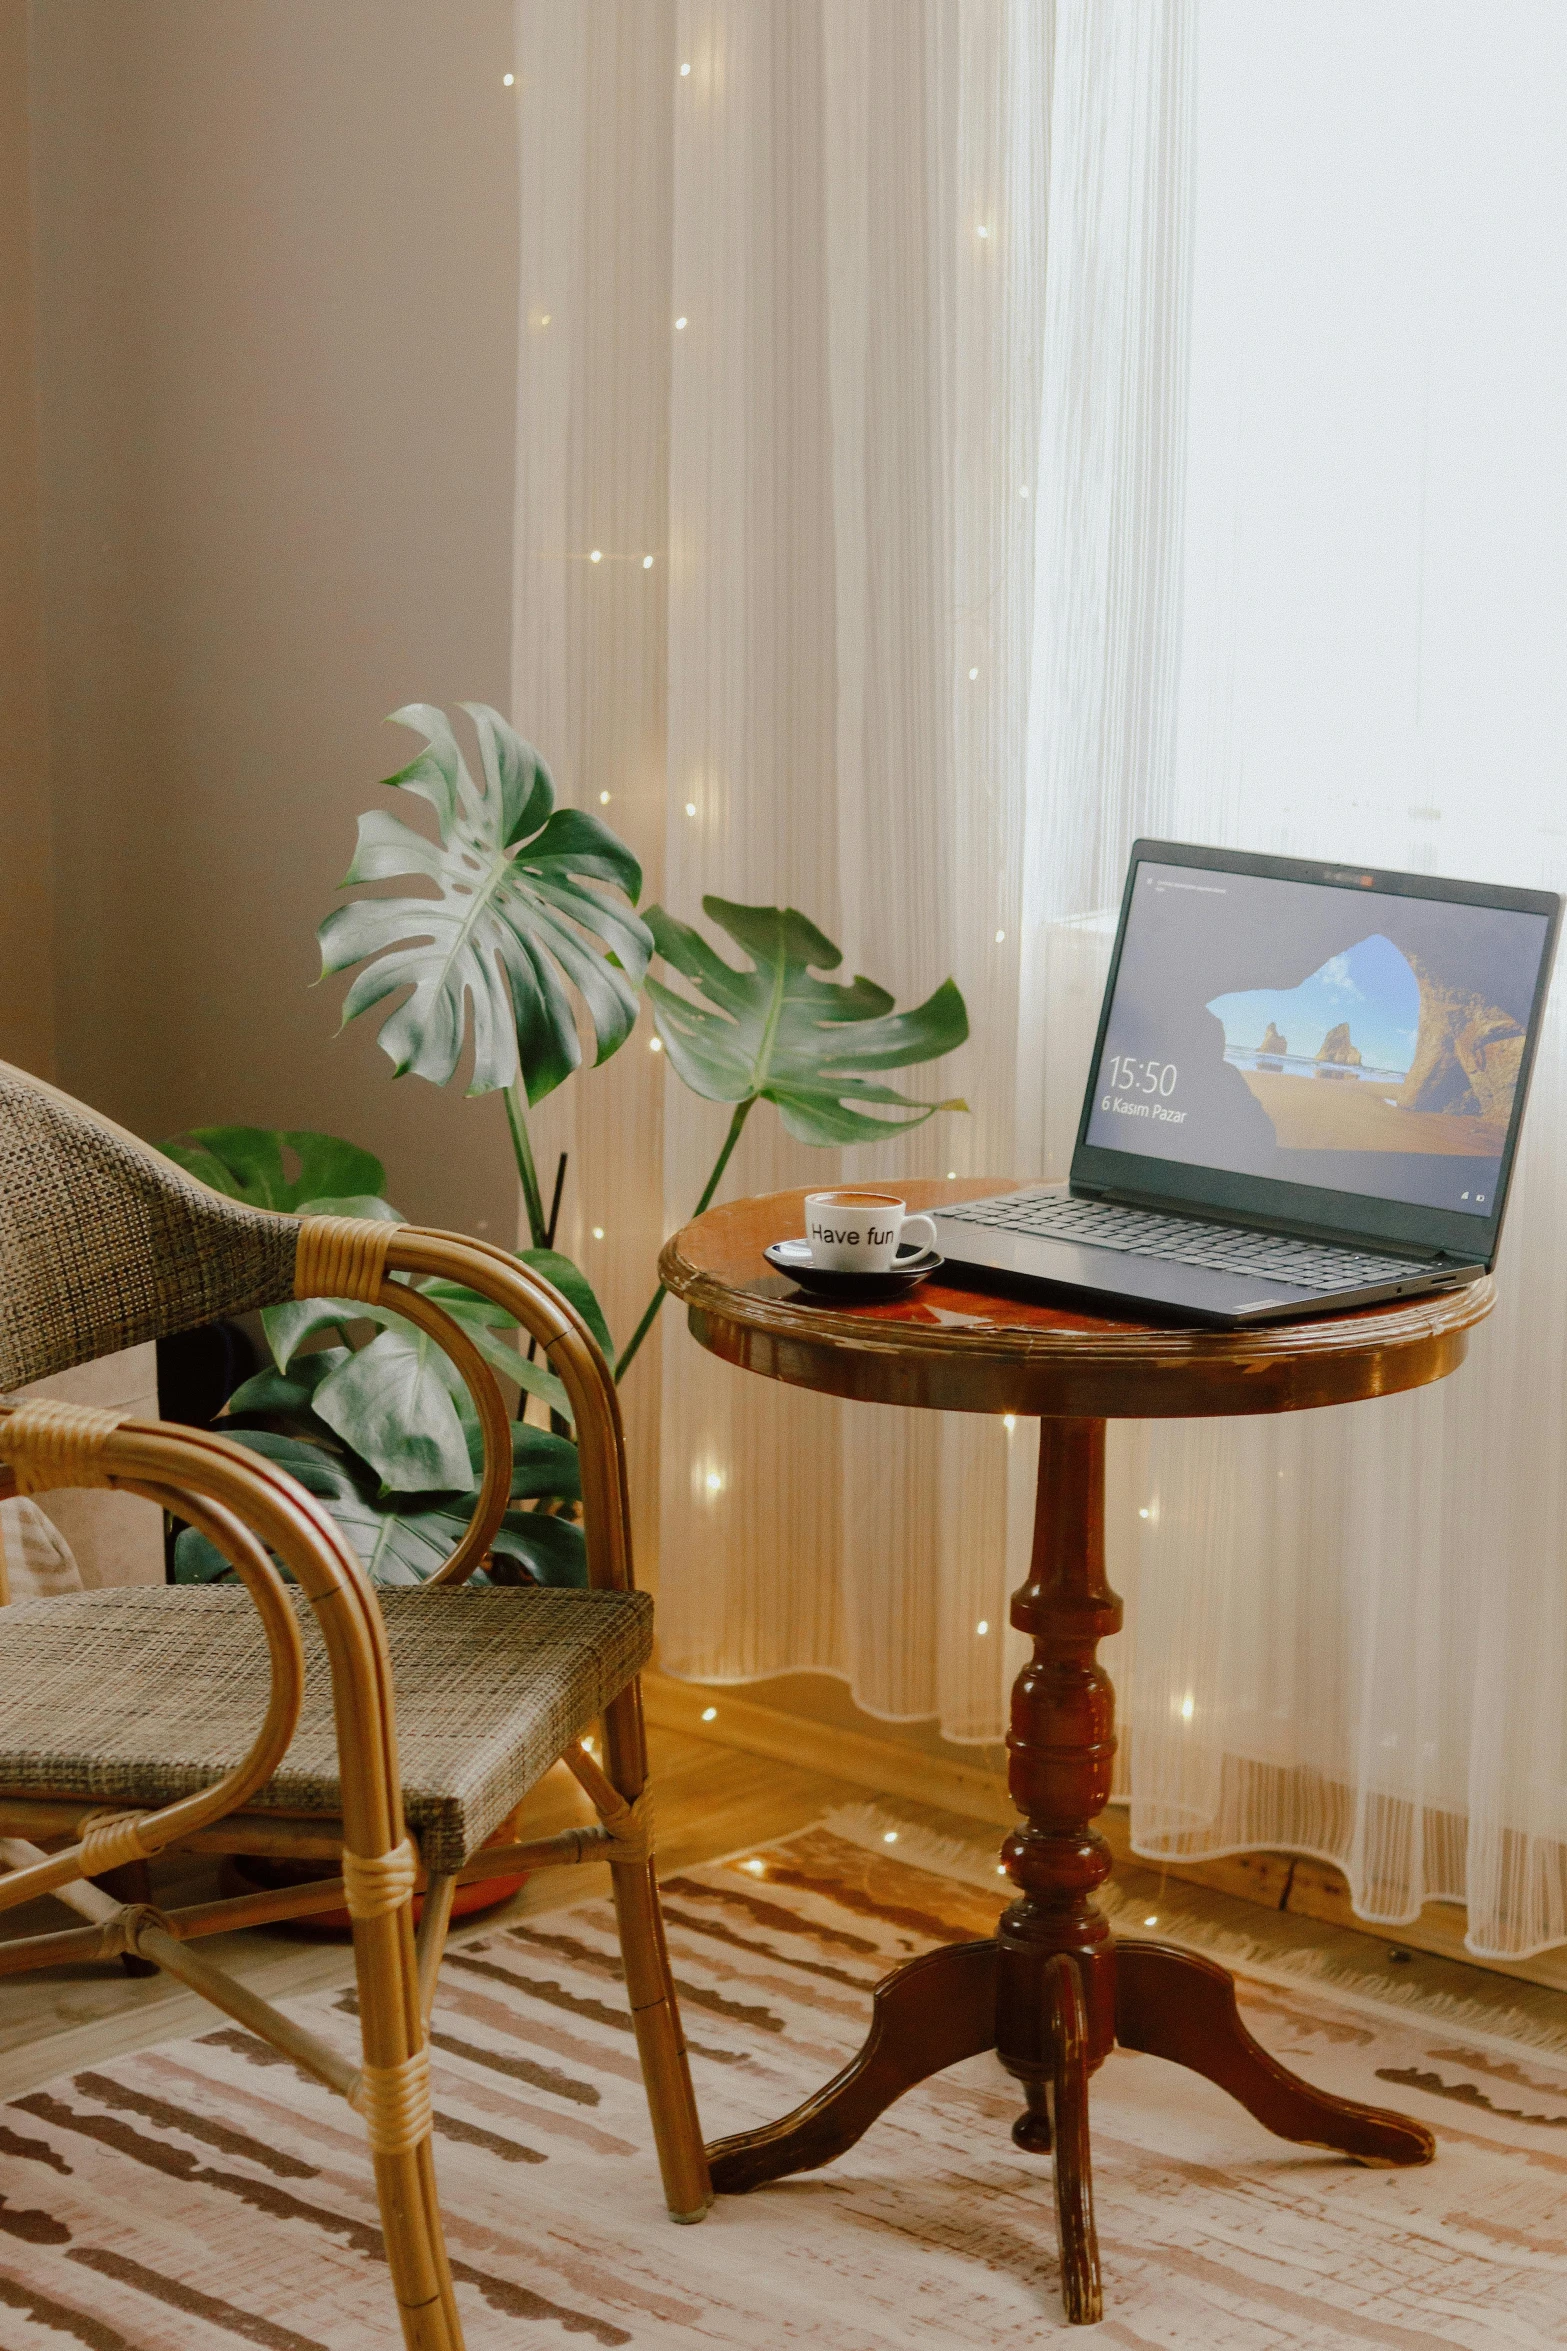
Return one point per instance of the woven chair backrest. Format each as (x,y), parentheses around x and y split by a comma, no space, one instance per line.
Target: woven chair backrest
(105,1243)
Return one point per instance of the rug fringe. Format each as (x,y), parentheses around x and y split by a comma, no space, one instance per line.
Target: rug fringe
(948,1856)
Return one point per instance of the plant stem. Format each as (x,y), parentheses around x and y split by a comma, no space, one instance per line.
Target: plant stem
(742,1113)
(532,1198)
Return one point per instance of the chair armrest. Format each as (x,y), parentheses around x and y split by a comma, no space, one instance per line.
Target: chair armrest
(351,1258)
(226,1492)
(573,1354)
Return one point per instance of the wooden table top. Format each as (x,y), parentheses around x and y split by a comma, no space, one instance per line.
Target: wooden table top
(961,1350)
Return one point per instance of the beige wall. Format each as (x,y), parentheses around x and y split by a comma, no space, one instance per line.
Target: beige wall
(276,277)
(26,948)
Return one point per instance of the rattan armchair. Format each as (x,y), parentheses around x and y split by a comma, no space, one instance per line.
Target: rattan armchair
(392,1731)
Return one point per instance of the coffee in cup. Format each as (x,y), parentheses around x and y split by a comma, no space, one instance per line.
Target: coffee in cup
(858,1231)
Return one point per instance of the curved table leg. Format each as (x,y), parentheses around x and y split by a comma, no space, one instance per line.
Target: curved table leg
(1068,2097)
(1173,2004)
(929,2014)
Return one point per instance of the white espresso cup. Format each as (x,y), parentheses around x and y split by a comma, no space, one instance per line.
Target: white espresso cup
(855,1231)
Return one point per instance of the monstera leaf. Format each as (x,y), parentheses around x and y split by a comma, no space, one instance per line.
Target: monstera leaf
(401,1538)
(399,1401)
(524,901)
(773,1031)
(250,1164)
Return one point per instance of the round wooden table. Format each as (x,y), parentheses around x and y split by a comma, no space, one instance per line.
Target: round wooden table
(1053,1990)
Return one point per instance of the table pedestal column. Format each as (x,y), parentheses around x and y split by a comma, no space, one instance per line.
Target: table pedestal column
(1053,1990)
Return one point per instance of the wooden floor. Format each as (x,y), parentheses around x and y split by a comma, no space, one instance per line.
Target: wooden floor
(711,1798)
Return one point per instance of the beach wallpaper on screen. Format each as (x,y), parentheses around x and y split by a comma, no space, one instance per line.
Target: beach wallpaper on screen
(1361,1042)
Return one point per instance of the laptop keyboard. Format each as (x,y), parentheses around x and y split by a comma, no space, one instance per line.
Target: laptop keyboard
(1178,1240)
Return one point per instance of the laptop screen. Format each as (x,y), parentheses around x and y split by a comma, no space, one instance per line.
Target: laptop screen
(1345,1038)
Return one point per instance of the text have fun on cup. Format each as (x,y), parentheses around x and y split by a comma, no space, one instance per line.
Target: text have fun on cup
(850,1236)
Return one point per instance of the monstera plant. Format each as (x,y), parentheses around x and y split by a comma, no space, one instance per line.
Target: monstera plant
(380,1426)
(524,940)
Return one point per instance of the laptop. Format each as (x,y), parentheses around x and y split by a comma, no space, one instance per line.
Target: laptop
(1305,1094)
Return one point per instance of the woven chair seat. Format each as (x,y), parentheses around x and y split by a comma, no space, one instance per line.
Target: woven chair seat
(137,1695)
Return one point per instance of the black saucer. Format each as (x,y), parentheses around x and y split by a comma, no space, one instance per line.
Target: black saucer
(850,1289)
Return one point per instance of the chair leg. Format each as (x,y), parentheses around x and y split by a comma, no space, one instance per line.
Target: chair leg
(390,2026)
(430,1941)
(661,2045)
(666,2070)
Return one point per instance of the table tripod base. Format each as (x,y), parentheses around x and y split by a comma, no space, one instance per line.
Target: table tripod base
(941,2008)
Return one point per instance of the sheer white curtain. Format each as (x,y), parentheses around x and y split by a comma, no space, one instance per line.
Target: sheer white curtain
(1085,421)
(1348,1628)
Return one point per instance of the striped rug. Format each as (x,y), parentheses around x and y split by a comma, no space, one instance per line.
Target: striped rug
(200,2195)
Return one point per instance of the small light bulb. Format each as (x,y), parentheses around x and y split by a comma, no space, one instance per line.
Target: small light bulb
(1188,1709)
(1143,1513)
(507,79)
(647,563)
(710,1714)
(981,230)
(684,70)
(598,1232)
(1151,1922)
(679,323)
(545,320)
(597,555)
(1001,938)
(983,1627)
(690,808)
(603,799)
(588,1743)
(1001,1869)
(655,1044)
(715,1484)
(755,1867)
(952,1175)
(1009,1422)
(890,1837)
(972,675)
